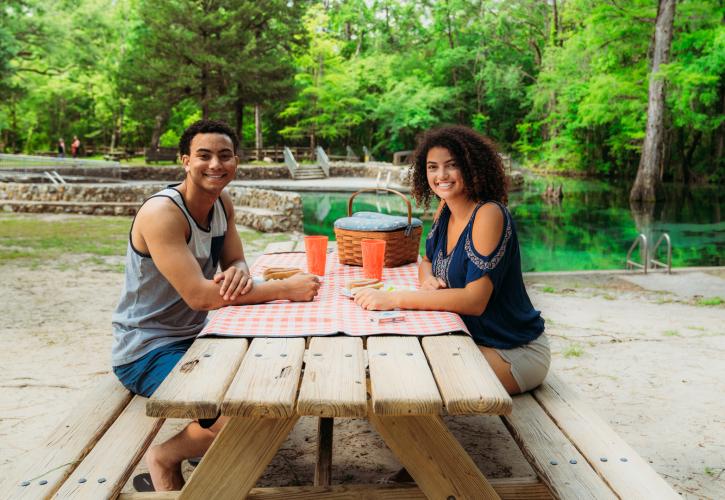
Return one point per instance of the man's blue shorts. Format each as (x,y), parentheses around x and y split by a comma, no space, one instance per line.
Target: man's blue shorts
(145,375)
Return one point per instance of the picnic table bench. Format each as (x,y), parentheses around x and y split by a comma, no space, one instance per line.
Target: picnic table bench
(402,384)
(115,156)
(160,154)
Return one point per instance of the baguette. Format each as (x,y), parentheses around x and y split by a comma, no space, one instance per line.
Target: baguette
(280,273)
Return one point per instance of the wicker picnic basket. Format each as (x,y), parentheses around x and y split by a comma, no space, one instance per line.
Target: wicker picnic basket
(401,242)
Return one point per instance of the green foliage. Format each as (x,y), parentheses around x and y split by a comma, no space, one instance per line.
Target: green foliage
(590,101)
(710,301)
(566,94)
(573,350)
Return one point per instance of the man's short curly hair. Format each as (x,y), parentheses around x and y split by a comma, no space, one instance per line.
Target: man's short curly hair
(206,127)
(476,156)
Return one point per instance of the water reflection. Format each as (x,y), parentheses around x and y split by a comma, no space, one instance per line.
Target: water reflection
(592,227)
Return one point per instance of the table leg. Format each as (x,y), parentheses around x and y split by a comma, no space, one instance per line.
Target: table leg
(323,467)
(237,458)
(433,457)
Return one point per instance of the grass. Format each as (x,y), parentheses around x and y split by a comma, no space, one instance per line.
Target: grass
(37,240)
(671,333)
(549,289)
(709,301)
(714,472)
(574,350)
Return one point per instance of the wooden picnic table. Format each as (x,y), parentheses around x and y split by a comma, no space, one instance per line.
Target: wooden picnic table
(401,384)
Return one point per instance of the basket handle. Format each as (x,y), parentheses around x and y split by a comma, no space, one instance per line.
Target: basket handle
(407,201)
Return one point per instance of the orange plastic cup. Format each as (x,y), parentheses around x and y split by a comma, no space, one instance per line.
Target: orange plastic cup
(373,257)
(316,250)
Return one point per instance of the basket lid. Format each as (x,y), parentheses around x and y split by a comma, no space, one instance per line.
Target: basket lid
(373,221)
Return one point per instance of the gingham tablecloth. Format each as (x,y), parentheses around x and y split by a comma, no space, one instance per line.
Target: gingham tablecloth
(331,312)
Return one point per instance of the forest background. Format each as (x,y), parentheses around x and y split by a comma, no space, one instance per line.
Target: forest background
(559,84)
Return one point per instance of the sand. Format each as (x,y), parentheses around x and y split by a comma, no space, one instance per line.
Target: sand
(651,364)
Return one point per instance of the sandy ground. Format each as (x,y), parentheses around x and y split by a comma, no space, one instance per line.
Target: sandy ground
(651,364)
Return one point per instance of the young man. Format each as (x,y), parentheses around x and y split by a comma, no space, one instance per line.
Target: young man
(178,239)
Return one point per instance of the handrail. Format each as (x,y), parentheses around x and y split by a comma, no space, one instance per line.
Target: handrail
(323,161)
(290,161)
(654,263)
(52,179)
(630,264)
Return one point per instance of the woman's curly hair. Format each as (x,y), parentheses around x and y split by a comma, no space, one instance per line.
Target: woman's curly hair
(475,155)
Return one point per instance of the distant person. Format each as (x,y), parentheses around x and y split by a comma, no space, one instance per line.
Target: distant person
(179,239)
(75,147)
(61,148)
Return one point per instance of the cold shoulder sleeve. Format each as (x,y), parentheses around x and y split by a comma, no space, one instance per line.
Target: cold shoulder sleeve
(495,264)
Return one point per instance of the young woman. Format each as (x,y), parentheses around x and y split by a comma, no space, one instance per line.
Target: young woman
(472,264)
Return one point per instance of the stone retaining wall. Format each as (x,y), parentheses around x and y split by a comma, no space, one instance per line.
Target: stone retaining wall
(167,173)
(259,208)
(170,173)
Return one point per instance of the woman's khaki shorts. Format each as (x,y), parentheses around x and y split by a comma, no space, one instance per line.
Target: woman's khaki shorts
(529,363)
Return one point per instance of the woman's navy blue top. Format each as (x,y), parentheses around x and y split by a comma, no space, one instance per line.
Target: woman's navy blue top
(509,319)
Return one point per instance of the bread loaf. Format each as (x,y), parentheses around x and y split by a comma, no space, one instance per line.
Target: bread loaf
(355,285)
(280,273)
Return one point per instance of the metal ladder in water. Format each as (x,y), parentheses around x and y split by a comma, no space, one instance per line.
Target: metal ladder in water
(650,261)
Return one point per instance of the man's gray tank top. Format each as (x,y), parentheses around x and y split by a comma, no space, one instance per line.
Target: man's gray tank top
(151,313)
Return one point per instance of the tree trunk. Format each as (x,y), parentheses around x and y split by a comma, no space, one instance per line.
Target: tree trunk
(689,155)
(159,124)
(239,119)
(720,131)
(258,127)
(555,40)
(647,184)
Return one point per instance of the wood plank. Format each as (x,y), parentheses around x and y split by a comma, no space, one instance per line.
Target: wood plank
(466,381)
(432,456)
(107,467)
(551,454)
(280,247)
(196,386)
(151,495)
(323,462)
(266,383)
(334,381)
(632,478)
(401,381)
(68,444)
(507,489)
(237,458)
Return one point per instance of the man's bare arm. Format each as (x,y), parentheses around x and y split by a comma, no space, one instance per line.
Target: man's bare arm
(235,278)
(163,229)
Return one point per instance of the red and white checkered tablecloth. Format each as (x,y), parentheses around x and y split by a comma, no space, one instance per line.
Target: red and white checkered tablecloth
(331,312)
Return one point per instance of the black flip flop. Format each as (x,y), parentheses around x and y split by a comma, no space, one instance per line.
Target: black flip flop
(194,461)
(142,482)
